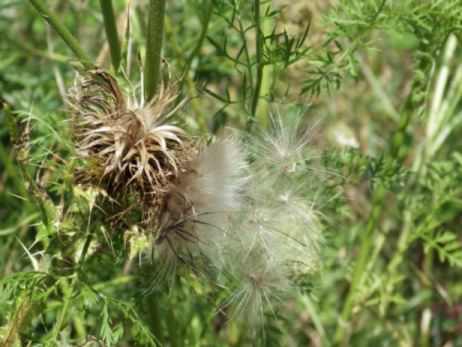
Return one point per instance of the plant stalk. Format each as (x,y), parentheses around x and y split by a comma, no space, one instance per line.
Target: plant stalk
(16,324)
(200,41)
(154,39)
(361,264)
(259,59)
(62,31)
(367,240)
(111,32)
(69,290)
(266,82)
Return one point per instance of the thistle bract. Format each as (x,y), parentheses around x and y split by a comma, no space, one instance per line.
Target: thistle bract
(126,148)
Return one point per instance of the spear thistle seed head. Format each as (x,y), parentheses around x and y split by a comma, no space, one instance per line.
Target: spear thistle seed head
(126,149)
(243,213)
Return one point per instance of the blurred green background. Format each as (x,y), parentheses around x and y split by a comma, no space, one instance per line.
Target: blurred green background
(378,82)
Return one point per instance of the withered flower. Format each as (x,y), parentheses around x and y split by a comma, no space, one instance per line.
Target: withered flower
(127,150)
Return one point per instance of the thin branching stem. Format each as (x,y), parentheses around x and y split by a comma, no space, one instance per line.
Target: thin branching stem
(111,32)
(51,56)
(62,31)
(248,61)
(154,38)
(259,58)
(200,41)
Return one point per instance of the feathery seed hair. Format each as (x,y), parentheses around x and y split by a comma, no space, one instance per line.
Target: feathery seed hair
(203,205)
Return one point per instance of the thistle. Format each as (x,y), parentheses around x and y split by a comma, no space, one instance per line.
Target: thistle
(126,149)
(236,210)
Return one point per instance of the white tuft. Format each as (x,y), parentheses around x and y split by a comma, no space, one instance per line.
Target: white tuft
(274,239)
(219,178)
(250,214)
(200,205)
(215,189)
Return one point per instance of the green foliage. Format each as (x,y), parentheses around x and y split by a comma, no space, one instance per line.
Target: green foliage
(353,25)
(382,74)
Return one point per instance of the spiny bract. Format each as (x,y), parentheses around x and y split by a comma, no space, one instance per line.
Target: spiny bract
(126,148)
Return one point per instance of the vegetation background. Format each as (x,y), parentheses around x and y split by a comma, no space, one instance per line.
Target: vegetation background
(378,81)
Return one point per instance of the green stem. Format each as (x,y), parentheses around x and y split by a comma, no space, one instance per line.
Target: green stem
(69,290)
(367,240)
(111,32)
(62,31)
(154,317)
(153,47)
(259,59)
(17,321)
(248,60)
(200,41)
(193,100)
(187,67)
(42,54)
(361,264)
(266,83)
(406,234)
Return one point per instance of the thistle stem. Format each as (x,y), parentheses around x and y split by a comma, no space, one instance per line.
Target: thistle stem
(187,67)
(154,38)
(266,82)
(111,32)
(62,31)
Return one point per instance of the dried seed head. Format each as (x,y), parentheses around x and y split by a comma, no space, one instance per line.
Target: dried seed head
(126,149)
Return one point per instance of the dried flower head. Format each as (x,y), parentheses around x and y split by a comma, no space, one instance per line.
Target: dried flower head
(133,149)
